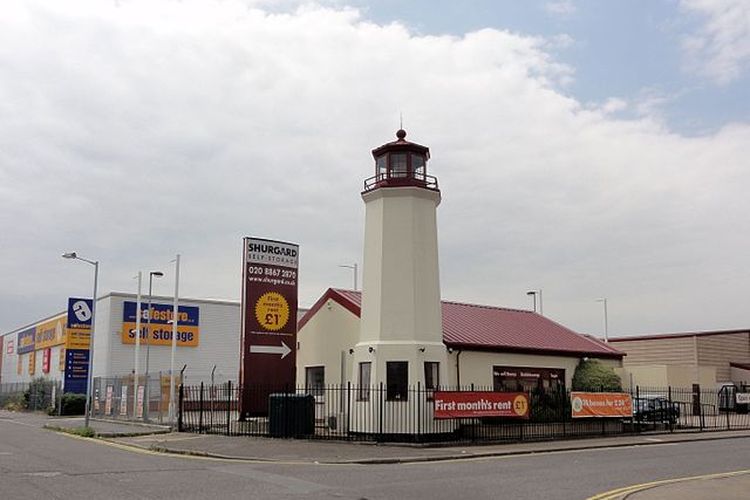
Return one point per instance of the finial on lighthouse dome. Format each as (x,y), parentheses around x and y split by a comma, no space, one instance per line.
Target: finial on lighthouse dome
(401,134)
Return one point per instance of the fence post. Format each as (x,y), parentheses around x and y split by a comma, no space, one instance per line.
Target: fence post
(181,399)
(637,407)
(419,410)
(348,406)
(727,404)
(229,405)
(382,409)
(200,412)
(671,418)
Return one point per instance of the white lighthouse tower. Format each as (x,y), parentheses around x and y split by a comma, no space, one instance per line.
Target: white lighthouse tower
(400,352)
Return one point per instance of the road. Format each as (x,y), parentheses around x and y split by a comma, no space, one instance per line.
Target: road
(37,463)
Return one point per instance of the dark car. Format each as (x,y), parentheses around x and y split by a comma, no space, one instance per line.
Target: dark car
(655,409)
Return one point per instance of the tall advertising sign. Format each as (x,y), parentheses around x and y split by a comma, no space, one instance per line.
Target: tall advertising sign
(77,345)
(269,322)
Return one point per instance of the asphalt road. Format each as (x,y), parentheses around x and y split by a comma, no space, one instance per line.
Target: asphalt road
(37,463)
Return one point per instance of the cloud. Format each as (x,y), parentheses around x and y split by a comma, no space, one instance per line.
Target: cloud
(720,48)
(560,8)
(139,130)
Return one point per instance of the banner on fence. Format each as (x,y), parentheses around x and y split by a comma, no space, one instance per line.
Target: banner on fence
(601,404)
(123,400)
(108,400)
(742,398)
(269,320)
(480,404)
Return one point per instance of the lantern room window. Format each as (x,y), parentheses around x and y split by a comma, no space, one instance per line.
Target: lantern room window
(418,166)
(381,165)
(399,167)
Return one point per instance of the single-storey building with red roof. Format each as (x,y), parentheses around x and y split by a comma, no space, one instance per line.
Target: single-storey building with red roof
(488,347)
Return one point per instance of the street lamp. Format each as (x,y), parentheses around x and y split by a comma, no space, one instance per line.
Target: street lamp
(534,293)
(146,391)
(151,275)
(89,379)
(606,326)
(353,267)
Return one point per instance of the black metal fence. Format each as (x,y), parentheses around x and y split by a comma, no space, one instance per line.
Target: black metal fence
(39,395)
(348,412)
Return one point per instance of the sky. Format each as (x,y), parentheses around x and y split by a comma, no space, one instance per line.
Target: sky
(590,149)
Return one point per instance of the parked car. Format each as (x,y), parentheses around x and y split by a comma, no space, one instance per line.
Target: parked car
(655,409)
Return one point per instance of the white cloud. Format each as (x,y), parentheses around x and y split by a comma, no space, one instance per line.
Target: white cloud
(133,132)
(720,49)
(560,7)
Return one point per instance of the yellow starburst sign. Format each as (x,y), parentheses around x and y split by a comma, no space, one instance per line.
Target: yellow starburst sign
(272,311)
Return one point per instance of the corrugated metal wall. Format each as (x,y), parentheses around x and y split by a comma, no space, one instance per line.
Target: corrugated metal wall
(676,351)
(720,350)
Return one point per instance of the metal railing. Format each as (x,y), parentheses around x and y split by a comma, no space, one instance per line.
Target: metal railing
(407,179)
(348,412)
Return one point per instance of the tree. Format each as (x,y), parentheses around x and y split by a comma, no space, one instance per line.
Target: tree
(591,375)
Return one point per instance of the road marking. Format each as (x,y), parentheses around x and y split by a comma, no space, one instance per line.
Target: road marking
(43,474)
(621,492)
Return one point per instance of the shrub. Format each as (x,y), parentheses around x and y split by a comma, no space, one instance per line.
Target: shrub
(73,404)
(591,375)
(12,402)
(39,394)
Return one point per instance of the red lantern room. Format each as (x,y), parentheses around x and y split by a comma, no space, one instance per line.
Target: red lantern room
(401,163)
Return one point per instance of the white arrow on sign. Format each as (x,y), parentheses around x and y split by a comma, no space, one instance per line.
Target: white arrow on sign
(282,349)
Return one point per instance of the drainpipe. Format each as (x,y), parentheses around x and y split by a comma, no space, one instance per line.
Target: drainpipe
(458,369)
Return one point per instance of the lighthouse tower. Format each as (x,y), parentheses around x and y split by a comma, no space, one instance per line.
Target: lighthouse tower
(400,351)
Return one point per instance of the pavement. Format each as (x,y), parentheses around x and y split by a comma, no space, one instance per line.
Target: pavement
(157,438)
(344,452)
(107,428)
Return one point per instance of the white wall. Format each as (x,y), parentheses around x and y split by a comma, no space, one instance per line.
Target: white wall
(219,342)
(331,331)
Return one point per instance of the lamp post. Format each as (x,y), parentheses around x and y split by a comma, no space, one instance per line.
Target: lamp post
(137,360)
(175,316)
(606,325)
(89,380)
(151,275)
(353,267)
(534,293)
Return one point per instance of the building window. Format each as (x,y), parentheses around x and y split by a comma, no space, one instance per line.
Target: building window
(417,165)
(397,380)
(381,165)
(363,391)
(431,377)
(315,380)
(398,165)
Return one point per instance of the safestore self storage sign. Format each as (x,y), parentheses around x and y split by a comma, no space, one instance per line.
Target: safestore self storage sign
(158,330)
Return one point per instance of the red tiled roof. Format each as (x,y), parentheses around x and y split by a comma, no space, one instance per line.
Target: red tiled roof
(493,328)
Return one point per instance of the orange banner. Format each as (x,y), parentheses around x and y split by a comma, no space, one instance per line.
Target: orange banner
(601,404)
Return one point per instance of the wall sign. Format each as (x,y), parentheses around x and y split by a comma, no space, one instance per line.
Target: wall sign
(269,321)
(160,330)
(78,339)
